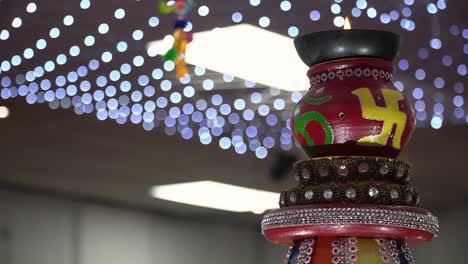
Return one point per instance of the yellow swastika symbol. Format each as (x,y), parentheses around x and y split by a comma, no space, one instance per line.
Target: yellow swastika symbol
(390,115)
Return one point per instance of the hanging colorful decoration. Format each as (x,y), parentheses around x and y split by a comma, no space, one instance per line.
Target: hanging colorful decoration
(181,38)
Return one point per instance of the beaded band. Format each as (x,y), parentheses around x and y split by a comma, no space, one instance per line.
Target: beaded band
(347,169)
(356,193)
(346,216)
(357,72)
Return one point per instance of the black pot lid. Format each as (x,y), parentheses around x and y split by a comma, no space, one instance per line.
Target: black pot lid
(325,46)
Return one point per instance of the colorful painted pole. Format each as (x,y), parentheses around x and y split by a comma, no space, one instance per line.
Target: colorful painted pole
(353,202)
(177,53)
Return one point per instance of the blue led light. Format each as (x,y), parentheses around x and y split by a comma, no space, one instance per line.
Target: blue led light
(17,22)
(174,112)
(16,60)
(125,68)
(114,75)
(261,152)
(39,71)
(89,41)
(255,2)
(176,97)
(60,80)
(188,108)
(208,84)
(435,43)
(256,98)
(85,86)
(228,77)
(143,80)
(41,44)
(137,34)
(406,12)
(269,142)
(125,86)
(54,33)
(68,20)
(189,91)
(447,60)
(279,104)
(137,109)
(201,104)
(420,74)
(420,105)
(296,96)
(338,21)
(418,93)
(431,8)
(225,109)
(461,69)
(23,90)
(153,21)
(85,4)
(119,13)
(248,115)
(264,110)
(4,34)
(239,104)
(441,4)
(82,71)
(138,61)
(45,84)
(335,8)
(217,99)
(403,64)
(356,12)
(106,56)
(458,101)
(203,10)
(225,143)
(101,81)
(31,8)
(61,59)
(293,31)
(98,95)
(211,113)
(75,51)
(72,77)
(6,66)
(272,120)
(436,122)
(264,21)
(361,4)
(122,46)
(385,18)
(103,28)
(166,85)
(439,82)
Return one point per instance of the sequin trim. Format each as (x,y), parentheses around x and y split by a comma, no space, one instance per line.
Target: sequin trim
(346,216)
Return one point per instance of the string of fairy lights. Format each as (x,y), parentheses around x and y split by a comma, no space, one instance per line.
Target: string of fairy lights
(256,121)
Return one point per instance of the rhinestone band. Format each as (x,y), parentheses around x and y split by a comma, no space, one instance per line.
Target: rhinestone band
(350,72)
(346,169)
(354,192)
(350,216)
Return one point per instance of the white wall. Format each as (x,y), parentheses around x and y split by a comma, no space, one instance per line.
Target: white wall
(49,231)
(40,230)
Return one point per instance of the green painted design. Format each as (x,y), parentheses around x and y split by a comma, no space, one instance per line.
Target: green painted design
(318,101)
(300,122)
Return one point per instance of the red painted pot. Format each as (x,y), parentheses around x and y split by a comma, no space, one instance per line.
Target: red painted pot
(353,108)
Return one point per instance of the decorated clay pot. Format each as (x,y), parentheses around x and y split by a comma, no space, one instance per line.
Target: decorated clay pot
(352,106)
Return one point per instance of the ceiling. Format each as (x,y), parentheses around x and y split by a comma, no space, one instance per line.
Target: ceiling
(79,156)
